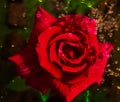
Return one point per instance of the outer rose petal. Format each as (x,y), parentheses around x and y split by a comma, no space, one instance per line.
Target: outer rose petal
(26,60)
(42,52)
(42,22)
(40,81)
(95,73)
(90,27)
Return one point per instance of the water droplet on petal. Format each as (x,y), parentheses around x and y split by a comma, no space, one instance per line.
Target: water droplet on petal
(38,15)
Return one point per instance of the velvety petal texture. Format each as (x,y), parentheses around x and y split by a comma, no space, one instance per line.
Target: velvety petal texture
(27,60)
(63,54)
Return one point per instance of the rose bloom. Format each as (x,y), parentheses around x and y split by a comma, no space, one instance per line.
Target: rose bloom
(63,55)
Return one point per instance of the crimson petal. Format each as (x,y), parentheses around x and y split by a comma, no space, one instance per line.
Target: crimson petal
(66,36)
(42,52)
(42,21)
(40,81)
(26,60)
(74,69)
(90,28)
(53,55)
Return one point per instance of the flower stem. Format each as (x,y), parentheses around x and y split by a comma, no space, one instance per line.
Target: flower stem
(87,95)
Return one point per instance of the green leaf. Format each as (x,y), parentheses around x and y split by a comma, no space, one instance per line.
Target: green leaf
(18,84)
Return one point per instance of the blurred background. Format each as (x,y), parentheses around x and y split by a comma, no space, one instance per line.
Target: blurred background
(16,22)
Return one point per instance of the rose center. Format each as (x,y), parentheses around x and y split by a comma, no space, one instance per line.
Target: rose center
(72,51)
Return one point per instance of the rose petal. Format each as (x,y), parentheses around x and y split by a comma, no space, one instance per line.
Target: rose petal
(106,48)
(92,35)
(69,92)
(42,21)
(23,70)
(65,36)
(53,55)
(74,69)
(40,80)
(77,88)
(42,52)
(72,78)
(26,60)
(61,88)
(89,26)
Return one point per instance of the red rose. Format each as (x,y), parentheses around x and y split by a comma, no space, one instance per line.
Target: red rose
(67,56)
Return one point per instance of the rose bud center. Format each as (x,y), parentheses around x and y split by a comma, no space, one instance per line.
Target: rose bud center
(71,51)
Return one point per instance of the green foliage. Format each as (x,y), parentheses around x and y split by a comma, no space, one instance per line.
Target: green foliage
(44,97)
(81,6)
(7,73)
(101,96)
(17,84)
